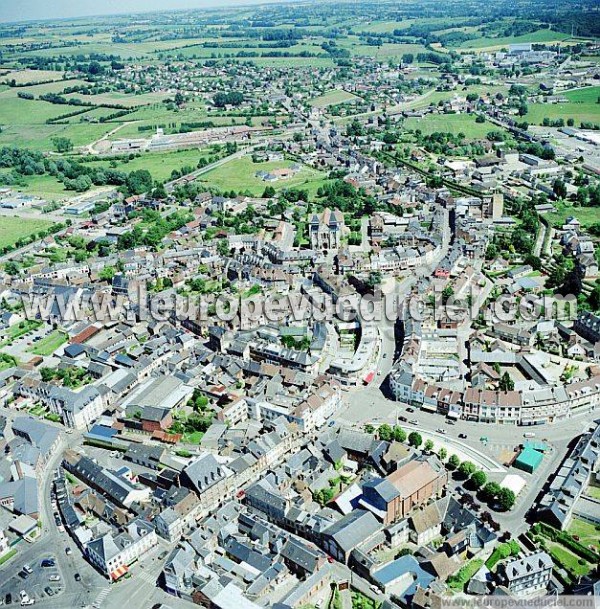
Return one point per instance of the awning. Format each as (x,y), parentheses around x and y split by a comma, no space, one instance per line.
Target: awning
(119,572)
(369,377)
(429,407)
(453,415)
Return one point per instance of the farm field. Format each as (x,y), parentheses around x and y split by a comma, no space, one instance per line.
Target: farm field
(240,175)
(13,228)
(453,123)
(542,35)
(22,77)
(582,105)
(160,165)
(336,96)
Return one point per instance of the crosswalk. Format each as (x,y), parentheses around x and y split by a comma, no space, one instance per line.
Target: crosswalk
(146,576)
(97,604)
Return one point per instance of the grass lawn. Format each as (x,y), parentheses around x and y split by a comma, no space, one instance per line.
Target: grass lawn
(594,491)
(17,330)
(13,228)
(458,581)
(588,534)
(6,557)
(586,215)
(49,344)
(581,106)
(336,96)
(453,123)
(192,438)
(240,175)
(567,558)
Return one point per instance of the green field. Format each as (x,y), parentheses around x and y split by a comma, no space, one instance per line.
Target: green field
(586,531)
(22,77)
(13,228)
(49,344)
(239,175)
(452,123)
(542,35)
(336,96)
(582,105)
(160,165)
(586,215)
(24,124)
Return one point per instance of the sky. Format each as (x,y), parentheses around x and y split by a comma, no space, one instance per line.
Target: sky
(22,10)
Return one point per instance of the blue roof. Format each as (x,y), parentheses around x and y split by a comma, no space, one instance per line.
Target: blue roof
(102,431)
(400,566)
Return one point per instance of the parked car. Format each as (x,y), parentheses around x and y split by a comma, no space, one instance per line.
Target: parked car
(442,431)
(54,578)
(23,574)
(410,410)
(77,577)
(462,435)
(48,590)
(414,422)
(28,569)
(403,419)
(48,562)
(68,551)
(8,599)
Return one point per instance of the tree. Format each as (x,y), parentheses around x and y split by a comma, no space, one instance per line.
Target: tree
(490,491)
(62,144)
(415,439)
(559,188)
(442,454)
(385,432)
(139,181)
(399,434)
(107,273)
(506,383)
(428,446)
(506,498)
(478,479)
(222,247)
(453,462)
(466,468)
(369,428)
(269,192)
(11,268)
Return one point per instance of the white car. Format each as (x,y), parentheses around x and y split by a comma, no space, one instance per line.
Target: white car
(54,578)
(28,569)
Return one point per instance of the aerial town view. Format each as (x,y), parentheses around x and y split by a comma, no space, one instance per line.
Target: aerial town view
(300,304)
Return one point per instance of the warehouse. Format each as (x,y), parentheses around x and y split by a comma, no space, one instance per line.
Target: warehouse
(528,460)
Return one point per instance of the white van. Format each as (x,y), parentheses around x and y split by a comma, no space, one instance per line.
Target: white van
(529,434)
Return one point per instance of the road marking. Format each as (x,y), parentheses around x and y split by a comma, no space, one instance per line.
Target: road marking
(100,598)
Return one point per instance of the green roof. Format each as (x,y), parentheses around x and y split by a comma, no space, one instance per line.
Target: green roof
(528,459)
(539,446)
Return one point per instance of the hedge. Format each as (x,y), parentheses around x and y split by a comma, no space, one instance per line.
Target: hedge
(566,540)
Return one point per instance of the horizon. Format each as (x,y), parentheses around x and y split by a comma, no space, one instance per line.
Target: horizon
(39,10)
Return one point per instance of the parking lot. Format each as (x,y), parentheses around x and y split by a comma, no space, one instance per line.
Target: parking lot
(38,584)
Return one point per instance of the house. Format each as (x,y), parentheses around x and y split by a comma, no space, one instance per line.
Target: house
(528,575)
(348,533)
(112,554)
(426,522)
